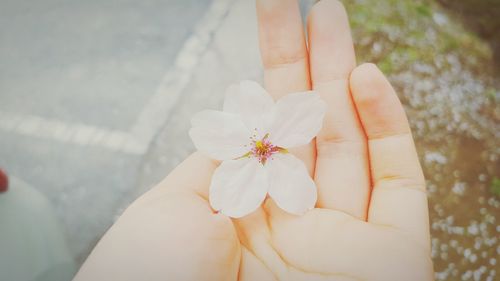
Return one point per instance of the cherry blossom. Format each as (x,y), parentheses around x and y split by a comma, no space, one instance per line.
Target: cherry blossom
(252,137)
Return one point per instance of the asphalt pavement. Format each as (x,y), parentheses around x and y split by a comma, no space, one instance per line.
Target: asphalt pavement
(96,96)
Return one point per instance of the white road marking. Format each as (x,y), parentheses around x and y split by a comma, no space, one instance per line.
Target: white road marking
(152,116)
(74,133)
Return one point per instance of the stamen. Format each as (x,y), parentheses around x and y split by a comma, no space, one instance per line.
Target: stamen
(263,149)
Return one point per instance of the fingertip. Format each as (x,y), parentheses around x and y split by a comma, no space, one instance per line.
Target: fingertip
(331,48)
(378,106)
(327,6)
(281,35)
(368,83)
(268,5)
(324,12)
(364,67)
(365,72)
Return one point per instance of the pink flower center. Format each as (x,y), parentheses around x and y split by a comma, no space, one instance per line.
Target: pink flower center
(263,149)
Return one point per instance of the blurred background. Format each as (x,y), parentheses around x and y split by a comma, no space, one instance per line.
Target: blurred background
(96,98)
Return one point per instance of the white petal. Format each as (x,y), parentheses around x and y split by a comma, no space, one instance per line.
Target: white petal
(220,135)
(238,187)
(298,117)
(249,100)
(290,185)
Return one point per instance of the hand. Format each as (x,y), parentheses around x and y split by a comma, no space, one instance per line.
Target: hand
(371,220)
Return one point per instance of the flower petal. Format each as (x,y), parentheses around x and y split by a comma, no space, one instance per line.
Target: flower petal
(298,117)
(249,100)
(238,187)
(220,135)
(290,185)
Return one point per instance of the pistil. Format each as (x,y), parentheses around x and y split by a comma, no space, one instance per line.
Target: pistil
(263,149)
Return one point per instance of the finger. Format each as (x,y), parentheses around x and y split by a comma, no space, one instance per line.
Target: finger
(165,217)
(286,70)
(284,55)
(181,179)
(398,197)
(342,174)
(309,242)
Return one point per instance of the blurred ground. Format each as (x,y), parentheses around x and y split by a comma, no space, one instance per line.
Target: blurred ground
(78,83)
(95,102)
(480,17)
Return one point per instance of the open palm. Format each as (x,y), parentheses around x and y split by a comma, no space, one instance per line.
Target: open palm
(370,221)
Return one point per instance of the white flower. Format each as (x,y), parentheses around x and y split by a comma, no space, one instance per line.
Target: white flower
(252,137)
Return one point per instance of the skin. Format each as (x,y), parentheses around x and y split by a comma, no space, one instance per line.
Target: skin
(371,218)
